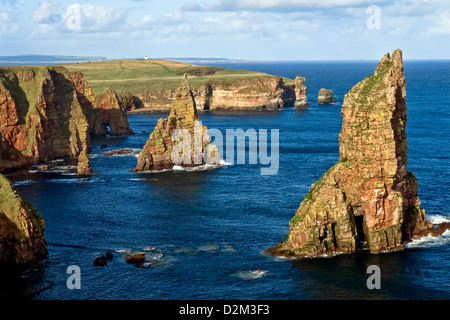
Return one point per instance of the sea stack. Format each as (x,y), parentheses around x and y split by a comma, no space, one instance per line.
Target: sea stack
(157,152)
(326,97)
(22,238)
(301,100)
(368,198)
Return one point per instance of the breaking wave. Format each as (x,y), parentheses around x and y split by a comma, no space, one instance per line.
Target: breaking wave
(430,241)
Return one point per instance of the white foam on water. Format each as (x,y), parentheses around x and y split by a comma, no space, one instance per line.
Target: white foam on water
(24,182)
(430,241)
(149,248)
(79,180)
(438,218)
(252,274)
(223,163)
(122,250)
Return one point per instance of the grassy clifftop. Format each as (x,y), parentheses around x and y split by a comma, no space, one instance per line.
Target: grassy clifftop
(137,76)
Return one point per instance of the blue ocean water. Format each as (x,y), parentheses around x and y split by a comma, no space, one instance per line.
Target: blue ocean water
(206,230)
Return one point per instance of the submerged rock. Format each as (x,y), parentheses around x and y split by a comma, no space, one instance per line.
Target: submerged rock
(22,238)
(326,97)
(301,99)
(161,147)
(368,197)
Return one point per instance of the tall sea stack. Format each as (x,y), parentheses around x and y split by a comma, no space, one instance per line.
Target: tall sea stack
(368,197)
(157,152)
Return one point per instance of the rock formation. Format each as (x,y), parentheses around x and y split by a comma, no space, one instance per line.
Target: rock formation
(157,152)
(368,197)
(40,116)
(301,100)
(326,97)
(254,94)
(22,238)
(103,111)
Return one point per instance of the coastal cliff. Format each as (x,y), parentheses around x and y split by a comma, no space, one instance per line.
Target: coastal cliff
(157,152)
(246,94)
(103,111)
(150,85)
(48,113)
(368,198)
(40,116)
(22,238)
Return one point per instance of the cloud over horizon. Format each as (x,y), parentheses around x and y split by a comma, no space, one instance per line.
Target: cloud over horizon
(249,29)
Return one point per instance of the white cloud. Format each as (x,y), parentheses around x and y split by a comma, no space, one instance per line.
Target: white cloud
(442,24)
(45,13)
(94,18)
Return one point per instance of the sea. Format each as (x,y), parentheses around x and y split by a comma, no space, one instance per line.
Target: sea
(205,231)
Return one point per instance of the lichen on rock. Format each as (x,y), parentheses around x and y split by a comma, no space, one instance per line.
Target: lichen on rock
(367,198)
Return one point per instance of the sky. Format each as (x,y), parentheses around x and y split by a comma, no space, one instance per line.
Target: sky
(245,29)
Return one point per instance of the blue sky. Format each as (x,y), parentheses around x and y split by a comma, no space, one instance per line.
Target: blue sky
(245,29)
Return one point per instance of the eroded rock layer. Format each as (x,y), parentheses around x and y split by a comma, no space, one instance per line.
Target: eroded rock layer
(22,238)
(368,198)
(40,116)
(301,99)
(326,97)
(157,152)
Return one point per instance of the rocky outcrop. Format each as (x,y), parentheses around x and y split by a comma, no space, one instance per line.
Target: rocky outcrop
(368,198)
(159,150)
(22,238)
(84,166)
(104,111)
(326,97)
(110,112)
(40,116)
(301,99)
(266,93)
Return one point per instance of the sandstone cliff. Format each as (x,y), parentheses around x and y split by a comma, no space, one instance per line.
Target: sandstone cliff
(22,238)
(157,152)
(103,111)
(40,116)
(325,97)
(368,197)
(268,93)
(301,99)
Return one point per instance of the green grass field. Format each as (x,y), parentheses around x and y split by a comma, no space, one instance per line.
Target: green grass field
(137,76)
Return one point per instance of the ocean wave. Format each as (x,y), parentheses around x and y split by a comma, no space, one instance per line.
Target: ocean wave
(77,180)
(438,218)
(429,241)
(24,182)
(252,274)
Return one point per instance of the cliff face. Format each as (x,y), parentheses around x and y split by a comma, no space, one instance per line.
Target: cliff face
(105,110)
(269,93)
(368,197)
(301,99)
(21,228)
(40,116)
(157,152)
